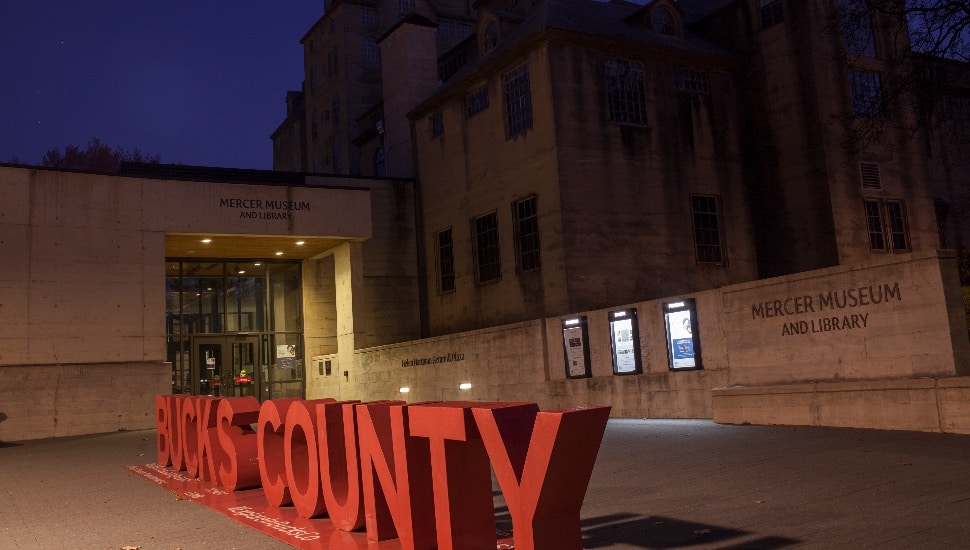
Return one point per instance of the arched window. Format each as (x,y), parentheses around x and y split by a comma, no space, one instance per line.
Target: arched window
(380,164)
(663,21)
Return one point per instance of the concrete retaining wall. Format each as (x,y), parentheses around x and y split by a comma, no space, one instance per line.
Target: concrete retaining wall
(899,366)
(40,401)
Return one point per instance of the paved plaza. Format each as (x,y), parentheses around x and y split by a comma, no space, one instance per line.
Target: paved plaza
(657,484)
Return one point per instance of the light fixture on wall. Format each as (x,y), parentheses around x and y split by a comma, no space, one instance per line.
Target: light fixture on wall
(465,386)
(405,389)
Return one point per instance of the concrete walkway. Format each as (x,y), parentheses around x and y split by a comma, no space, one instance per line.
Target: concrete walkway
(657,484)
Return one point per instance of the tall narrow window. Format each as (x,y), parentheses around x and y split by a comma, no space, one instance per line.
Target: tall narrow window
(488,264)
(518,100)
(625,91)
(368,17)
(865,88)
(772,12)
(380,163)
(405,6)
(707,229)
(337,156)
(335,111)
(437,125)
(526,234)
(857,27)
(446,261)
(371,53)
(886,222)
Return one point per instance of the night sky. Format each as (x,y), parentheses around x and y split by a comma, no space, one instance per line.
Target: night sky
(199,82)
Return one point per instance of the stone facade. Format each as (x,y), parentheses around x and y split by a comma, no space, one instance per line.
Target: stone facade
(342,86)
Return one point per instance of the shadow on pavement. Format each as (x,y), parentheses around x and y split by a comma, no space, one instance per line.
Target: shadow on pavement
(663,532)
(5,443)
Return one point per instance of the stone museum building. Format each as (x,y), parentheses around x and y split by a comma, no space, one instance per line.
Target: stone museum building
(737,210)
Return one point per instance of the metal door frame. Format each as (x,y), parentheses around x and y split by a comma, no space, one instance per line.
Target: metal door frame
(225,341)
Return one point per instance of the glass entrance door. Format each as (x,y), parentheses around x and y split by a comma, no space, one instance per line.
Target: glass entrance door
(228,366)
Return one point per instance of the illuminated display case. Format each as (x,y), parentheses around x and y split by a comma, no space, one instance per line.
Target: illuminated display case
(683,338)
(625,339)
(575,343)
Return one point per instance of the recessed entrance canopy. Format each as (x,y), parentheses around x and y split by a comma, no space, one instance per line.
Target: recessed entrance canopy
(183,245)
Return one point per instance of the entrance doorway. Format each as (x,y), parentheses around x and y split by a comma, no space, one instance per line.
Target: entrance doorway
(235,328)
(229,366)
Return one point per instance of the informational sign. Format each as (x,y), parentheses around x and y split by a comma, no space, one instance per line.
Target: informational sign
(575,341)
(285,356)
(625,334)
(683,343)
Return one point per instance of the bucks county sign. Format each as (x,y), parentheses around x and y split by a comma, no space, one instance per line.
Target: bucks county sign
(418,473)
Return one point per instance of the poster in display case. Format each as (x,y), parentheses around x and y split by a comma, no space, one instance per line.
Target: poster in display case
(683,338)
(625,337)
(575,342)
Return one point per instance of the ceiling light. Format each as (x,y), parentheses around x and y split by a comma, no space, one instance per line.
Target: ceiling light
(300,243)
(280,253)
(207,241)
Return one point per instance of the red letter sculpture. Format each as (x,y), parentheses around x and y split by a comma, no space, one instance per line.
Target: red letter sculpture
(302,458)
(464,512)
(161,429)
(562,445)
(402,507)
(339,464)
(237,464)
(272,457)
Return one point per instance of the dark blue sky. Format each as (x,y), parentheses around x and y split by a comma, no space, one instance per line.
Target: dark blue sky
(200,82)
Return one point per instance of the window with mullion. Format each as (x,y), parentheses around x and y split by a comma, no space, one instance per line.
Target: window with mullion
(527,234)
(487,261)
(865,87)
(877,238)
(707,229)
(896,224)
(371,54)
(518,100)
(886,223)
(625,91)
(368,16)
(446,261)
